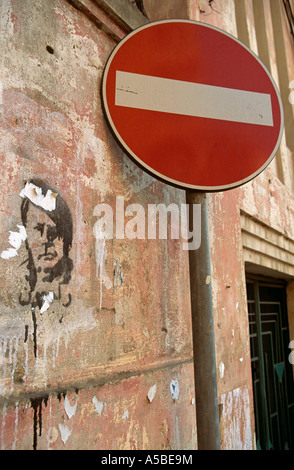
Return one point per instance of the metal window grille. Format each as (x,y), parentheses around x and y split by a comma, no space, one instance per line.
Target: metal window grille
(271,371)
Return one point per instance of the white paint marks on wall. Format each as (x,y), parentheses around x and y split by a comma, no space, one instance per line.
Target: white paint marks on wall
(4,411)
(35,195)
(9,253)
(15,239)
(10,340)
(13,359)
(221,369)
(1,97)
(62,335)
(174,389)
(125,415)
(233,334)
(235,419)
(65,432)
(101,235)
(151,393)
(13,447)
(47,301)
(70,409)
(99,405)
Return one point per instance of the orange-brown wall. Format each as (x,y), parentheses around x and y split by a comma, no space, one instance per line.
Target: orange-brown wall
(101,372)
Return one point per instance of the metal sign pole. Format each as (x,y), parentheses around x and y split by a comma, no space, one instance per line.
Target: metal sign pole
(207,413)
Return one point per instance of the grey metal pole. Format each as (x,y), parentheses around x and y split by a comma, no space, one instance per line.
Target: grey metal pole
(207,413)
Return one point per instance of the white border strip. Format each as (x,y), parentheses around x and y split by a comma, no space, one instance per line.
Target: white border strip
(192,99)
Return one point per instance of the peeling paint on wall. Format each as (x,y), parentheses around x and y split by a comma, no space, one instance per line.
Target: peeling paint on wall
(35,195)
(101,256)
(152,393)
(99,405)
(13,447)
(70,409)
(174,389)
(235,420)
(15,239)
(65,432)
(125,415)
(47,301)
(221,370)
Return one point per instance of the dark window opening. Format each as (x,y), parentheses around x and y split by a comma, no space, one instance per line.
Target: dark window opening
(272,376)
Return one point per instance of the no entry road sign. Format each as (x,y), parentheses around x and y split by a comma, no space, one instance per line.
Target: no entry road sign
(192,105)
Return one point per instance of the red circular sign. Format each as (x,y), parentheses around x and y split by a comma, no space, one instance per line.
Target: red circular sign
(192,105)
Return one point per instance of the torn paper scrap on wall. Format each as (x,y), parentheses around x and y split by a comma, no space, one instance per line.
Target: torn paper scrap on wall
(35,195)
(15,239)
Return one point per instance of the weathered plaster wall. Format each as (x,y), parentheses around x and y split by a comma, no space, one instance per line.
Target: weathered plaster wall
(230,321)
(253,224)
(78,374)
(108,363)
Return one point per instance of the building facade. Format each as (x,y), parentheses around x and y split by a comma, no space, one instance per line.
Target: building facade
(96,334)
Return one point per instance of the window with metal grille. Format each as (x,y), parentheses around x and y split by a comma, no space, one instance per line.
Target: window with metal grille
(271,371)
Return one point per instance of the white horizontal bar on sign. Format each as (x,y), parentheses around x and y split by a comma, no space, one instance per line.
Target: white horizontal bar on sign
(192,99)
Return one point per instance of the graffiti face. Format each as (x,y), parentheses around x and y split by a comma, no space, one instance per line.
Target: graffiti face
(48,226)
(44,249)
(43,238)
(46,231)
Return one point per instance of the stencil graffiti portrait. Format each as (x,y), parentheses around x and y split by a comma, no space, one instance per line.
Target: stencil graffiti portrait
(47,232)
